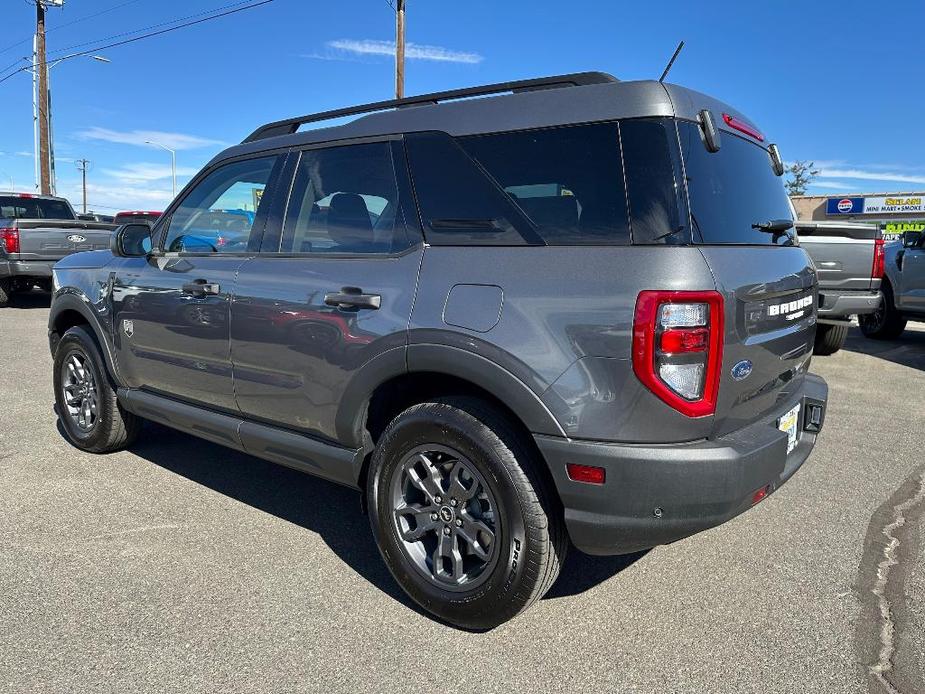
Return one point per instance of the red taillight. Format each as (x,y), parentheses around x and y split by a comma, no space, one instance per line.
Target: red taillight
(9,239)
(679,341)
(878,268)
(678,348)
(742,127)
(586,473)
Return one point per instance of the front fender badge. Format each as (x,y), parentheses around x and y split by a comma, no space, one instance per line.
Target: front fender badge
(742,370)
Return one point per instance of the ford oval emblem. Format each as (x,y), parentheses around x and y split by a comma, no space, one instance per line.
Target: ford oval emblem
(76,238)
(742,370)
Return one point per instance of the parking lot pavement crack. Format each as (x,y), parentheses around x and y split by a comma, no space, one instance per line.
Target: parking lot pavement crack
(891,539)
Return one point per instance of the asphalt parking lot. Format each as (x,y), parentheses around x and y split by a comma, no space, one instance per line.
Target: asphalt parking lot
(180,566)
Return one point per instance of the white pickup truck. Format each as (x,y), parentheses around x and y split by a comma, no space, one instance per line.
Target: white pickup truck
(36,231)
(849,260)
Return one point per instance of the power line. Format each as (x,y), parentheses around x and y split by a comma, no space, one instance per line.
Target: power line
(152,26)
(144,36)
(67,24)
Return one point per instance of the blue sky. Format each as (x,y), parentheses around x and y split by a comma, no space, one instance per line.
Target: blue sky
(835,82)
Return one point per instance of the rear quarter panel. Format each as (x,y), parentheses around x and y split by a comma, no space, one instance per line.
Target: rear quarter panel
(564,327)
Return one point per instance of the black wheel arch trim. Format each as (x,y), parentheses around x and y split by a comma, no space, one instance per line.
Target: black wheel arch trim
(74,301)
(449,361)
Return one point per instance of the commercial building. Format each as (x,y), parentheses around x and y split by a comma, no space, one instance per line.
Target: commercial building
(894,212)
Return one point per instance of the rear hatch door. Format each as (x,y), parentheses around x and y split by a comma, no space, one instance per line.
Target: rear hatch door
(768,282)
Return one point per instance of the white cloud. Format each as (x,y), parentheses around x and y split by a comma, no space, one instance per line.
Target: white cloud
(145,171)
(139,137)
(868,175)
(118,195)
(831,185)
(413,51)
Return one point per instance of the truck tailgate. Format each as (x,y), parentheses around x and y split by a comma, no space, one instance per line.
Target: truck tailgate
(43,239)
(843,254)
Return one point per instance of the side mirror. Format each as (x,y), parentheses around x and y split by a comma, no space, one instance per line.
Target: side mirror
(777,164)
(912,239)
(710,133)
(131,241)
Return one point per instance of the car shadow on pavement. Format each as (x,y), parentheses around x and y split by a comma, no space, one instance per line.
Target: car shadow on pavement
(33,299)
(325,508)
(907,350)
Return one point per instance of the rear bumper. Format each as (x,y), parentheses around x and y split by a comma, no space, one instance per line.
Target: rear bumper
(842,304)
(656,494)
(26,268)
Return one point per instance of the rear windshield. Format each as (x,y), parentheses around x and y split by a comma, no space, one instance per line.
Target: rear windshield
(732,189)
(15,207)
(135,218)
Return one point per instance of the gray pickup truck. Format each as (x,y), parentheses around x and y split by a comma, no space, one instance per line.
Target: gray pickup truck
(903,289)
(36,231)
(849,265)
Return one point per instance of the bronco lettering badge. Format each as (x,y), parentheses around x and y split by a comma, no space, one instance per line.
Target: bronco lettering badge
(790,310)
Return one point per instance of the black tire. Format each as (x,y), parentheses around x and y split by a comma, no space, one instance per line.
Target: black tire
(112,428)
(830,338)
(531,542)
(4,293)
(885,323)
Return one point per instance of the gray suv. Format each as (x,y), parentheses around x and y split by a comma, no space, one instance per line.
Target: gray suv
(570,311)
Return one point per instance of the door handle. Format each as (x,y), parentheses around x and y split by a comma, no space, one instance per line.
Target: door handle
(353,298)
(201,288)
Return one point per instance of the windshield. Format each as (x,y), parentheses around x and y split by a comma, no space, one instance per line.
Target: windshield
(15,207)
(733,189)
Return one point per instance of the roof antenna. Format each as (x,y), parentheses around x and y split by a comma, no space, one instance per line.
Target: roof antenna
(671,62)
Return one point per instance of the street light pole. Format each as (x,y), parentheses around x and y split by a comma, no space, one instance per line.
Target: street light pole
(173,162)
(42,87)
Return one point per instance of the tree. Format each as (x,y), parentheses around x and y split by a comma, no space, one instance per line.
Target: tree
(801,175)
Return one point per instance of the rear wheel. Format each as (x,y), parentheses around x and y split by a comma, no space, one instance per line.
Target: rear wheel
(830,338)
(4,292)
(87,406)
(885,323)
(462,517)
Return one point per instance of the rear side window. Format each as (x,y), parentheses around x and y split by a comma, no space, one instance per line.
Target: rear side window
(15,207)
(568,180)
(654,181)
(732,189)
(459,204)
(345,200)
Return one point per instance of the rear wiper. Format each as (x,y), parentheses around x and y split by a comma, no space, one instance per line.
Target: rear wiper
(774,226)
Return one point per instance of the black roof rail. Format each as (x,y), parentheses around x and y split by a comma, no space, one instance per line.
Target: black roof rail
(291,125)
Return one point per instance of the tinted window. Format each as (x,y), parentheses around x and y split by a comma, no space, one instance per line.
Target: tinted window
(731,189)
(135,218)
(569,181)
(15,207)
(459,204)
(218,214)
(654,181)
(344,200)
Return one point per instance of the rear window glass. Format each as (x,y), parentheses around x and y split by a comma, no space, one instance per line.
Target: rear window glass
(732,189)
(135,218)
(568,181)
(14,207)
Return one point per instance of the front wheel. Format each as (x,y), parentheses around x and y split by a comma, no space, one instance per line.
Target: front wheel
(461,514)
(86,402)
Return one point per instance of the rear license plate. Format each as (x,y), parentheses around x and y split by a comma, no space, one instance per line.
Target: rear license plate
(788,425)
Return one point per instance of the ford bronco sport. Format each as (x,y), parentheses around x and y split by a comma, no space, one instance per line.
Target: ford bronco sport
(570,313)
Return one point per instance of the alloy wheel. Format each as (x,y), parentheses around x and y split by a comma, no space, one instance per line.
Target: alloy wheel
(81,394)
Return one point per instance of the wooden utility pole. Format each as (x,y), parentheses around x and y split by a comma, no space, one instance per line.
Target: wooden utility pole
(42,67)
(400,49)
(83,165)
